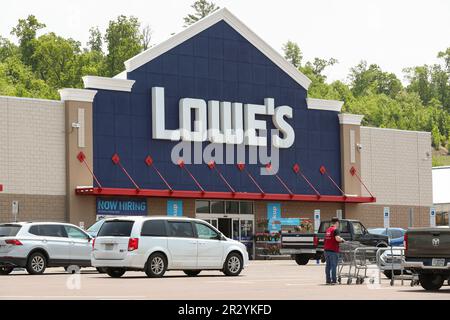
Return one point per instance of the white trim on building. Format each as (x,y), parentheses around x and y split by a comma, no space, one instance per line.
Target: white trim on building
(84,95)
(115,84)
(352,119)
(324,105)
(205,23)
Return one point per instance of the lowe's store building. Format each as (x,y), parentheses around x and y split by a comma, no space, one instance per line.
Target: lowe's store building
(212,123)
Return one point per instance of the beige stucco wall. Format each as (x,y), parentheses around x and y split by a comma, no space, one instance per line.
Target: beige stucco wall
(396,166)
(32,146)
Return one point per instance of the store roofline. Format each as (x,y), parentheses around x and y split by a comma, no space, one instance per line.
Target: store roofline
(203,24)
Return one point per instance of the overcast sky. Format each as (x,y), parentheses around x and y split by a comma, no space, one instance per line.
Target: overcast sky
(392,33)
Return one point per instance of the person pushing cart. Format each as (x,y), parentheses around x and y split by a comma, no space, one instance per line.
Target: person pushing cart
(331,251)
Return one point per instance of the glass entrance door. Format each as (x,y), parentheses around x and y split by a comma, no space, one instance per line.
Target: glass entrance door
(236,227)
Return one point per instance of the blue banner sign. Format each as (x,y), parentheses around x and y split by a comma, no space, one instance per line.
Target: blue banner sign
(121,207)
(175,208)
(273,217)
(289,221)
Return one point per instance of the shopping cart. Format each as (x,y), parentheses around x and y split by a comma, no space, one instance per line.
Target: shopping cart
(354,262)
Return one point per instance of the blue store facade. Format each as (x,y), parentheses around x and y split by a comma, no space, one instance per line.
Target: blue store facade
(130,169)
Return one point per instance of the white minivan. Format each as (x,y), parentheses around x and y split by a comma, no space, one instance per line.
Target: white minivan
(157,244)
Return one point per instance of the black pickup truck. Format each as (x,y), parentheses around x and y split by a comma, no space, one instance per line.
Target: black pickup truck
(427,254)
(306,246)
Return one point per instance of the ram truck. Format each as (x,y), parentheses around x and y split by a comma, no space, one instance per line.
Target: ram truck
(427,254)
(306,246)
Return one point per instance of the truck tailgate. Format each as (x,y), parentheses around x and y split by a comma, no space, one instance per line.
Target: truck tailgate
(298,241)
(428,243)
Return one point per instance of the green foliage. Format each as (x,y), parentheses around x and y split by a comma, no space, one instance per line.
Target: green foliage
(435,137)
(57,61)
(124,41)
(371,79)
(201,9)
(423,105)
(440,161)
(95,42)
(17,79)
(292,53)
(25,31)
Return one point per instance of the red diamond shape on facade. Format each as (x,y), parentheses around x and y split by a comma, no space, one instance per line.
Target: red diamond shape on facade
(296,168)
(241,166)
(211,165)
(181,163)
(149,161)
(81,156)
(323,170)
(353,171)
(269,166)
(115,158)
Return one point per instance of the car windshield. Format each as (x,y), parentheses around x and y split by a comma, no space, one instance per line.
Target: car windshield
(9,230)
(116,228)
(378,231)
(95,227)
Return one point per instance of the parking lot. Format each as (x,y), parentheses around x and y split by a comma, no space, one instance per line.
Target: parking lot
(261,280)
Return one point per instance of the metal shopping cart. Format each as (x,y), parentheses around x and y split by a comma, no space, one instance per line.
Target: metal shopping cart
(354,262)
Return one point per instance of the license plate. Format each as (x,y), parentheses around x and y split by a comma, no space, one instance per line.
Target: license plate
(438,262)
(109,246)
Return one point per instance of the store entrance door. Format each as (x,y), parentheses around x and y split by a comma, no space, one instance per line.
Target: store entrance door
(234,226)
(225,226)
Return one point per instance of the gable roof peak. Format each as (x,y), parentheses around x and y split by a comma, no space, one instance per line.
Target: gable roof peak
(222,14)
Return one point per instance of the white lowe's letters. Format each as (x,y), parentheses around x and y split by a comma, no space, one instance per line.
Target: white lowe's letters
(223,122)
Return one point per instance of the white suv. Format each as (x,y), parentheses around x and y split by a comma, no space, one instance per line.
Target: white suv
(36,246)
(157,244)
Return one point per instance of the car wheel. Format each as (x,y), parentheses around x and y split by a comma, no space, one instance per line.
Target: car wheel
(36,263)
(115,272)
(192,273)
(101,270)
(233,264)
(301,259)
(156,265)
(431,282)
(5,270)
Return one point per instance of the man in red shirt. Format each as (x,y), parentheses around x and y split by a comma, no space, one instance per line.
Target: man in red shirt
(331,250)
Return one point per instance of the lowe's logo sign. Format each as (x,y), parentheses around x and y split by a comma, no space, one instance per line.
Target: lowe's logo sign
(223,122)
(121,207)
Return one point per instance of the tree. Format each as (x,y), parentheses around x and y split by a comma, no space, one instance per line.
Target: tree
(57,61)
(17,79)
(293,54)
(124,40)
(365,79)
(7,49)
(95,42)
(201,9)
(25,31)
(435,138)
(146,37)
(446,56)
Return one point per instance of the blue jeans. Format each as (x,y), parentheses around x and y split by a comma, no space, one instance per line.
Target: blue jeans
(331,266)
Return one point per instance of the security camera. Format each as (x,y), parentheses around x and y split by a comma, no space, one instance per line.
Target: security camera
(359,146)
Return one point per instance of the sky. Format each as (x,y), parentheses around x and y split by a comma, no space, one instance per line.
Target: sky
(391,33)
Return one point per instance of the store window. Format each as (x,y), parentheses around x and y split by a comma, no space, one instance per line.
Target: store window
(217,206)
(202,206)
(246,207)
(232,207)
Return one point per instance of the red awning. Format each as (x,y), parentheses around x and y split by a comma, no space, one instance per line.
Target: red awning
(218,195)
(204,194)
